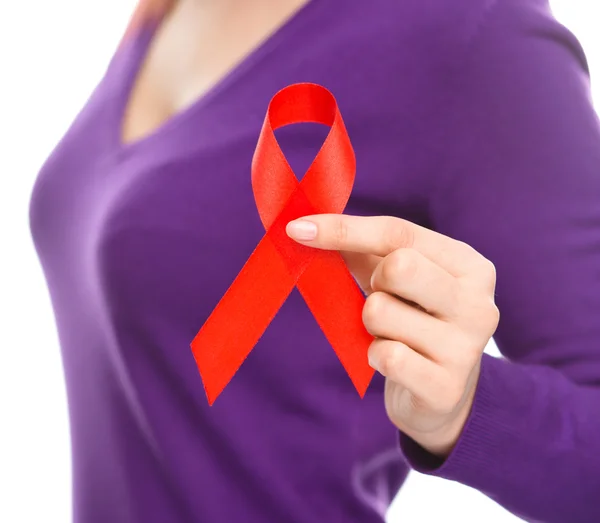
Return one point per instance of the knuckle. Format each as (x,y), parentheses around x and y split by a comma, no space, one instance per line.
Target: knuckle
(478,311)
(399,265)
(340,232)
(465,251)
(493,313)
(397,234)
(487,314)
(393,361)
(373,309)
(493,317)
(479,264)
(486,273)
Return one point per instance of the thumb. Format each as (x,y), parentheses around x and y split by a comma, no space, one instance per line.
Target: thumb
(361,266)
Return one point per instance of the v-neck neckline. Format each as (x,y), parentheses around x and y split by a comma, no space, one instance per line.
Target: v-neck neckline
(140,45)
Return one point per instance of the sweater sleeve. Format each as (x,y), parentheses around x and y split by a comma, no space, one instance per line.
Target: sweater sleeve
(522,186)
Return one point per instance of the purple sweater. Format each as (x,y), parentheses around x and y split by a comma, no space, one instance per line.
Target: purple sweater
(471,117)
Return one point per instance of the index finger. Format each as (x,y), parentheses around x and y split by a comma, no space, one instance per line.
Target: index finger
(381,235)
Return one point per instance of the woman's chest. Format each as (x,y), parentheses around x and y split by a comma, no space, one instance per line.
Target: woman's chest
(170,219)
(153,235)
(177,215)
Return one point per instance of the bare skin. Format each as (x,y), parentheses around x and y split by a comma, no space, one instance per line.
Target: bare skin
(197,44)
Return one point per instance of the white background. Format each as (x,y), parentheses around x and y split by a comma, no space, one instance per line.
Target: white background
(52,53)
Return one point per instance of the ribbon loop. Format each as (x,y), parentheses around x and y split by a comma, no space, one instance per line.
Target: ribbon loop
(279,263)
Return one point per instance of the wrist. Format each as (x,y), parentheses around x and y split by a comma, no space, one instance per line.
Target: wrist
(441,442)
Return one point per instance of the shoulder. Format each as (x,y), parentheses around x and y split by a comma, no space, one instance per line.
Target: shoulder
(448,29)
(480,37)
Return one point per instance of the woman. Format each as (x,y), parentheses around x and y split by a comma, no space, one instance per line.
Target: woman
(471,119)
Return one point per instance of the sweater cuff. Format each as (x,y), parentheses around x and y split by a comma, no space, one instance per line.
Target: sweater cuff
(493,426)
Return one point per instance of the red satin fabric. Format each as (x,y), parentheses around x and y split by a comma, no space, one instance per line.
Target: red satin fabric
(279,263)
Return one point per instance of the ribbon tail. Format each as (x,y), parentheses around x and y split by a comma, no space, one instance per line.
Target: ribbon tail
(337,302)
(241,317)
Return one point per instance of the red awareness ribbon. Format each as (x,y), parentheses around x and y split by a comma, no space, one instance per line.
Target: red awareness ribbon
(279,263)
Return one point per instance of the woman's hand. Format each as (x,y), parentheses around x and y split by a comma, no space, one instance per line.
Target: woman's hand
(431,308)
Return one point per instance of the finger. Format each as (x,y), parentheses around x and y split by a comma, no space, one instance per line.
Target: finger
(380,235)
(384,316)
(361,266)
(410,275)
(409,369)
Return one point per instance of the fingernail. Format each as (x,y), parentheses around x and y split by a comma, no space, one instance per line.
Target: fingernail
(373,362)
(302,230)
